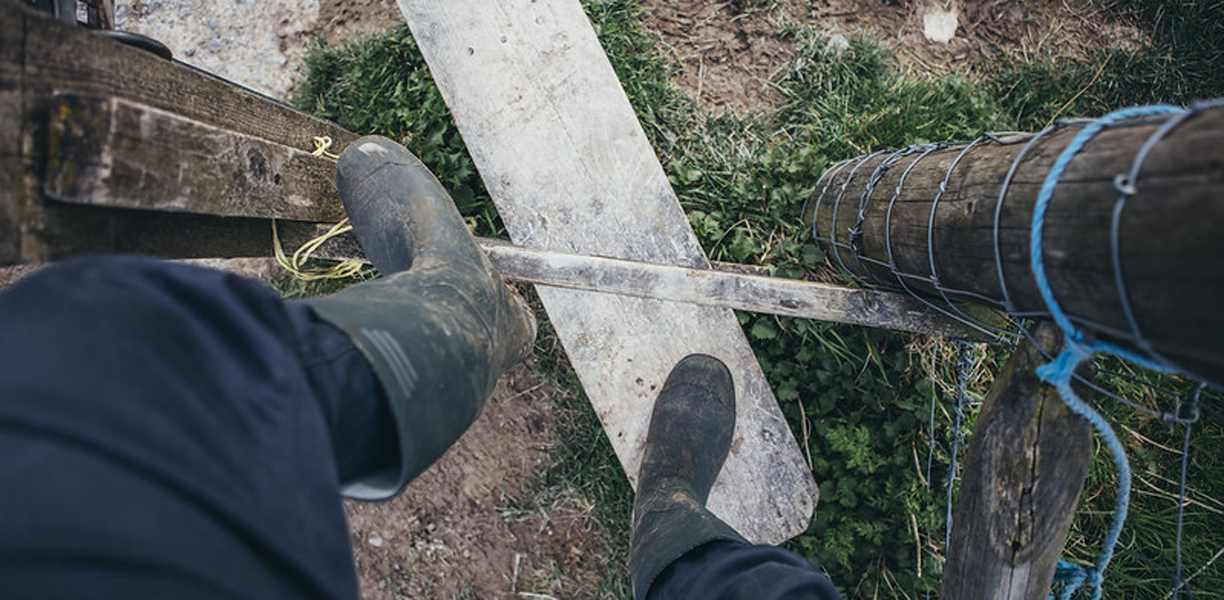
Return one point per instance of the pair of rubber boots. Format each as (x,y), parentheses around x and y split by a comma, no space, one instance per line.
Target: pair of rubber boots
(439,327)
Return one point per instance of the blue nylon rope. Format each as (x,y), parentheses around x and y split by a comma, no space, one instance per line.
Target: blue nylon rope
(1077,349)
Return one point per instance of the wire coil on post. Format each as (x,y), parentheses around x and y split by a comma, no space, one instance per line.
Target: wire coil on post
(942,297)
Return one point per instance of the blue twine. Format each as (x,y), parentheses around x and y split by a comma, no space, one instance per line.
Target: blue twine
(1077,349)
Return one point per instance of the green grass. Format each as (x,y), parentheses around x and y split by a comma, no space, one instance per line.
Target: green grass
(1144,564)
(860,400)
(380,85)
(1178,62)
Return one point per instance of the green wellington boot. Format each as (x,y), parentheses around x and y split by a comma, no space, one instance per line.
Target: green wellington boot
(439,326)
(689,437)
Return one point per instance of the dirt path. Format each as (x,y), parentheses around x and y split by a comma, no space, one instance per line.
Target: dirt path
(471,524)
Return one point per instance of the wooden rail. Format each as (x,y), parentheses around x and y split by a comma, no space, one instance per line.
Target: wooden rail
(1169,243)
(42,58)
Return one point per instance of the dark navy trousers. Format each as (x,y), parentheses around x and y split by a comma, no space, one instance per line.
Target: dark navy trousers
(174,432)
(738,571)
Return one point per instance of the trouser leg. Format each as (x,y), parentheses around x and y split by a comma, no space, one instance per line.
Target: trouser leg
(731,570)
(167,431)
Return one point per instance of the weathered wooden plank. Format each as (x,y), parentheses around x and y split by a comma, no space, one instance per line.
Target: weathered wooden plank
(567,163)
(107,151)
(725,285)
(720,288)
(1026,465)
(40,56)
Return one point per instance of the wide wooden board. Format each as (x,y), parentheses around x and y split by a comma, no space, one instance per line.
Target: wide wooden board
(41,57)
(571,170)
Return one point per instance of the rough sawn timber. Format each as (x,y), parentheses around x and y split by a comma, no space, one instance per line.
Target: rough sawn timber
(727,285)
(107,151)
(570,169)
(723,287)
(41,57)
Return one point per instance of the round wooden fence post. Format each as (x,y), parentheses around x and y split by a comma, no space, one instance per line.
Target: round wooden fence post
(885,220)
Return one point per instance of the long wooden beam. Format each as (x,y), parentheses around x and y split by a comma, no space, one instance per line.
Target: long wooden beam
(723,287)
(955,218)
(40,58)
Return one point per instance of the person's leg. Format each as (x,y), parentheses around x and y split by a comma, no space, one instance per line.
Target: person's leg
(679,549)
(178,432)
(440,326)
(169,431)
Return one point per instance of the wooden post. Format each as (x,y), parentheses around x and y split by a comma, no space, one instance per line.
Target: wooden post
(1171,248)
(1026,465)
(41,58)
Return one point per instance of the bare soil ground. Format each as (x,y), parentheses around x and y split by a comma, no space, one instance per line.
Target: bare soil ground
(340,19)
(730,51)
(257,44)
(472,525)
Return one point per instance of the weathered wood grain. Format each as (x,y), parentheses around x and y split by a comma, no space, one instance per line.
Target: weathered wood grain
(40,57)
(1172,251)
(106,151)
(725,285)
(1026,465)
(567,163)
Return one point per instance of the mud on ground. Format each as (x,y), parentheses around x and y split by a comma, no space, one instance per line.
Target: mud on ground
(472,526)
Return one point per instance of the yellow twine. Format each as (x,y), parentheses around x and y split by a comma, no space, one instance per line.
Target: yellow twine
(321,144)
(297,263)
